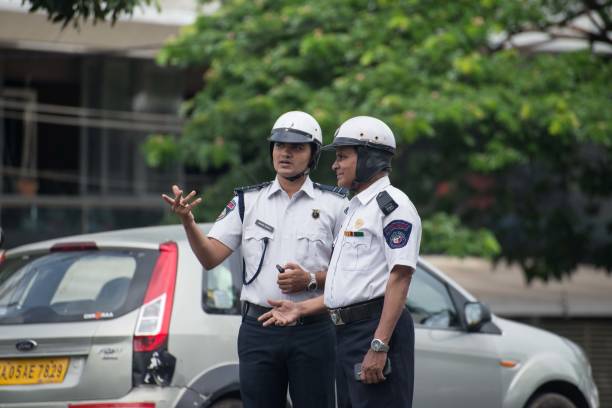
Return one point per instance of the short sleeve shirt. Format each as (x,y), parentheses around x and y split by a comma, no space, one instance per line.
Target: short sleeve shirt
(299,229)
(370,244)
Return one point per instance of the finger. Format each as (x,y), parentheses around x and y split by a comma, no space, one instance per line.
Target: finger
(269,322)
(371,377)
(185,200)
(176,190)
(292,265)
(168,199)
(377,376)
(196,202)
(188,196)
(274,303)
(177,197)
(265,316)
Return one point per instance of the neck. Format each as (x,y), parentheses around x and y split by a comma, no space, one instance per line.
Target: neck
(291,187)
(363,186)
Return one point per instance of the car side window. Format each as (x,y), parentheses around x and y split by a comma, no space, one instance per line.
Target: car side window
(221,288)
(429,302)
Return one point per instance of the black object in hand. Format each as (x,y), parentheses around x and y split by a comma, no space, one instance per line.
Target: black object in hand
(386,369)
(280,268)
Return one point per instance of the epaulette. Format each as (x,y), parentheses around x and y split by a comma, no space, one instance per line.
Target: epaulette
(341,191)
(386,203)
(254,187)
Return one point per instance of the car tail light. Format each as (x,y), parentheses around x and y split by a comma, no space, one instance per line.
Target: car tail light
(152,362)
(73,246)
(114,405)
(154,320)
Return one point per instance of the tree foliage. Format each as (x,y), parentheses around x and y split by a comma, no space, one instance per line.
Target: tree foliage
(500,136)
(79,11)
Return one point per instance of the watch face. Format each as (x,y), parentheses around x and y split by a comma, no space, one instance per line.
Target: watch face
(378,345)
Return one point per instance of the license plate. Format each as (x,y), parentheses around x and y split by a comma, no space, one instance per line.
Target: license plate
(24,371)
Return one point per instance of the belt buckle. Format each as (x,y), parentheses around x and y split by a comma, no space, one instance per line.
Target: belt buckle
(336,318)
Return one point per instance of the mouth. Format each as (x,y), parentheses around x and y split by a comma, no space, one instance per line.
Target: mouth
(285,163)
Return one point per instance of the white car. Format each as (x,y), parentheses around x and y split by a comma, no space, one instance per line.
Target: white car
(129,319)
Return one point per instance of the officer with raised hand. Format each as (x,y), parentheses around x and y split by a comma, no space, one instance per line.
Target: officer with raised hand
(285,229)
(369,274)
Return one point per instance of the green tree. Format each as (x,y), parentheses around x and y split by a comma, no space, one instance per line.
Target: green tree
(504,138)
(78,11)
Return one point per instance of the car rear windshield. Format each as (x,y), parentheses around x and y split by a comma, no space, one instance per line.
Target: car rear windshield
(73,286)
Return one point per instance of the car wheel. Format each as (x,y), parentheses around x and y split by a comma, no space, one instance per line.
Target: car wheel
(551,400)
(227,403)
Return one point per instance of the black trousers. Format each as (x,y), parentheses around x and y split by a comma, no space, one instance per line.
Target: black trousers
(353,342)
(301,356)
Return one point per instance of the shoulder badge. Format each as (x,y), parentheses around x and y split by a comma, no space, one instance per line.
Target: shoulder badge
(397,233)
(340,191)
(254,187)
(386,203)
(228,209)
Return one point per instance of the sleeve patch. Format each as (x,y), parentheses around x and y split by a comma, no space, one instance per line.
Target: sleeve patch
(228,209)
(397,233)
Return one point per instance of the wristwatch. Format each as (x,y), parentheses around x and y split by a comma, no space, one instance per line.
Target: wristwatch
(379,346)
(312,285)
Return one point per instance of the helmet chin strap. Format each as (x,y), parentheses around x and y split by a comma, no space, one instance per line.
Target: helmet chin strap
(297,176)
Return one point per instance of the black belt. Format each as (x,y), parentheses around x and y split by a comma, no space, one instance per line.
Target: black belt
(358,311)
(255,310)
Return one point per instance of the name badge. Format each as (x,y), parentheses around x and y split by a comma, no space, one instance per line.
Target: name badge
(265,226)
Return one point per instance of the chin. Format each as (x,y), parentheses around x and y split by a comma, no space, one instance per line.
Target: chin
(343,183)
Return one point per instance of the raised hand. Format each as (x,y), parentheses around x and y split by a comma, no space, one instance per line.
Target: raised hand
(180,205)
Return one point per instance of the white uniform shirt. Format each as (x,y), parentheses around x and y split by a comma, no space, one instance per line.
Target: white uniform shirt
(299,229)
(370,244)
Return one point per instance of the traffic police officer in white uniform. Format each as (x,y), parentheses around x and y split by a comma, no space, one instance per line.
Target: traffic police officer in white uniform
(369,274)
(285,229)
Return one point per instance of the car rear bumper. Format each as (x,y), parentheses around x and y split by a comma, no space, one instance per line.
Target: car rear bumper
(161,397)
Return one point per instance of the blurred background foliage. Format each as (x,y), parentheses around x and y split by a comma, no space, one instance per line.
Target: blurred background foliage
(79,11)
(506,152)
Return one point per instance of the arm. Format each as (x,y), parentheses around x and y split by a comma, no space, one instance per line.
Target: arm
(395,301)
(209,251)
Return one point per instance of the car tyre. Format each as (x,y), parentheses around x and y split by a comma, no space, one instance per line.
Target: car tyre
(551,400)
(228,403)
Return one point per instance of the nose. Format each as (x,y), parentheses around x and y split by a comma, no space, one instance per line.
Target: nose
(285,151)
(335,165)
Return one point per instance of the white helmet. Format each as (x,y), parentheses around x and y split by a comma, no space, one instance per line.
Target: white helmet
(373,140)
(298,127)
(364,131)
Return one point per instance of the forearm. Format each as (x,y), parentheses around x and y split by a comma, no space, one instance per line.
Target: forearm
(395,301)
(311,306)
(209,252)
(320,277)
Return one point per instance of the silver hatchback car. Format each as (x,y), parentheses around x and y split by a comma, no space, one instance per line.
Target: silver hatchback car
(128,319)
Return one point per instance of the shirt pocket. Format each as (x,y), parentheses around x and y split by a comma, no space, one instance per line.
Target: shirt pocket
(355,252)
(253,246)
(312,247)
